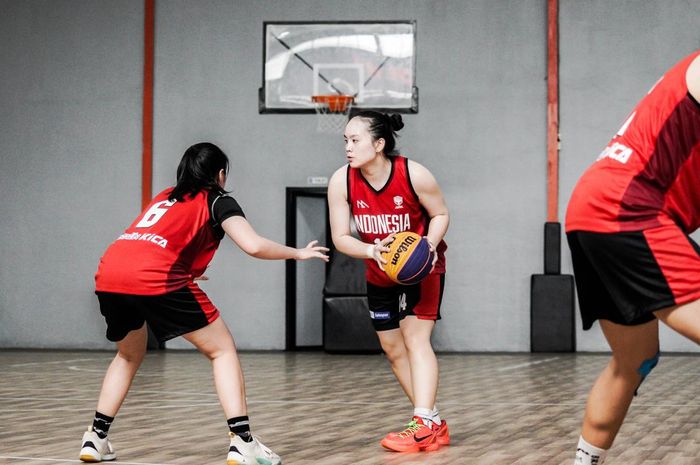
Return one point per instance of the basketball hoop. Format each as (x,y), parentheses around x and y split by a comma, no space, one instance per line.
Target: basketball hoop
(332,111)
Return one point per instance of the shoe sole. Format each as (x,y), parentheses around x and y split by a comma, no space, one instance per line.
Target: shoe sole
(257,462)
(414,448)
(90,458)
(398,449)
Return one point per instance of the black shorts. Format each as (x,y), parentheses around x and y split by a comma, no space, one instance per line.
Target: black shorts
(168,315)
(624,277)
(389,305)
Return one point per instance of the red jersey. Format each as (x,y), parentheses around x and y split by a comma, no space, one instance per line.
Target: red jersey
(393,208)
(169,244)
(649,174)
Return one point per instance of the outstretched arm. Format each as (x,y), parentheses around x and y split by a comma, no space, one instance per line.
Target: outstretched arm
(249,241)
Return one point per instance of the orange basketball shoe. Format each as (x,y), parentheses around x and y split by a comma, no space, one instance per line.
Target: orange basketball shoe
(415,438)
(443,434)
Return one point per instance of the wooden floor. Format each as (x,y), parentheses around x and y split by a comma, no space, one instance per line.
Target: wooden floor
(320,409)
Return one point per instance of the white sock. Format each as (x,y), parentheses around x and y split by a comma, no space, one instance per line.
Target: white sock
(586,454)
(425,414)
(435,416)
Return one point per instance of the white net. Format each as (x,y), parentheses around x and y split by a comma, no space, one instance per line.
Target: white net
(332,113)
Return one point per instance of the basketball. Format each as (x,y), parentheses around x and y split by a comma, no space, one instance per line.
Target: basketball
(409,259)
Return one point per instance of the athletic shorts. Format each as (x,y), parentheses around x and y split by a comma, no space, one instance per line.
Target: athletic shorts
(168,315)
(624,277)
(389,305)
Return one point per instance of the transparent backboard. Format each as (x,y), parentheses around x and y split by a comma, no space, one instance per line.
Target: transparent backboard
(374,62)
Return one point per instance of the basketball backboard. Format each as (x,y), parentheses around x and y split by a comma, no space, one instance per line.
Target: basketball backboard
(374,62)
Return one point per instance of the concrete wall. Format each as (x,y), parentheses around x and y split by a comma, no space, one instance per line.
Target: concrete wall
(70,143)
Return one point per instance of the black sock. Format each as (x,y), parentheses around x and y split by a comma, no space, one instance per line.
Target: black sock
(101,424)
(240,427)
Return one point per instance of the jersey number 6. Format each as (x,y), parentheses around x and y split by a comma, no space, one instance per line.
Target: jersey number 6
(155,213)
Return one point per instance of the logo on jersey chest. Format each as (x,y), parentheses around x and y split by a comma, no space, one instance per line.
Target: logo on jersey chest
(398,202)
(361,204)
(382,224)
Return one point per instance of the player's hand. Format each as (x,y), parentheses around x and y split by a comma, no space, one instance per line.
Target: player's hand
(434,251)
(312,251)
(374,251)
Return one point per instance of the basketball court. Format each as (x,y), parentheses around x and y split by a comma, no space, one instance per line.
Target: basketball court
(311,407)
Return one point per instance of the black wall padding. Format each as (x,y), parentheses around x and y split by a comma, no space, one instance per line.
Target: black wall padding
(552,327)
(552,248)
(346,276)
(347,326)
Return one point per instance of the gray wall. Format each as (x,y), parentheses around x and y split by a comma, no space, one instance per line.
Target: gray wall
(70,143)
(70,132)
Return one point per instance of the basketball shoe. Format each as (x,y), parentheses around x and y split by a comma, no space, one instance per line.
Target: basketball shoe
(415,438)
(96,449)
(250,453)
(443,434)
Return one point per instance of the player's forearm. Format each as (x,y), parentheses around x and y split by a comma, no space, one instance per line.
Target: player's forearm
(351,246)
(267,249)
(437,228)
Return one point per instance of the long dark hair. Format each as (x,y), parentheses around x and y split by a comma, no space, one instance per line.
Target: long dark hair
(199,170)
(382,126)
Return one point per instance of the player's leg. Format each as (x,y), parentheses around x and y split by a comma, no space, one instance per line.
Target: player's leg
(420,305)
(422,310)
(217,344)
(423,362)
(126,326)
(684,319)
(632,349)
(121,372)
(394,348)
(384,312)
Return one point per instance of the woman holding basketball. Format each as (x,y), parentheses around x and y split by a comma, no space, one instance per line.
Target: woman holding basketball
(147,276)
(386,193)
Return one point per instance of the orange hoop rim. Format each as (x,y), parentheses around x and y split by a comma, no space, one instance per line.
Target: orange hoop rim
(335,103)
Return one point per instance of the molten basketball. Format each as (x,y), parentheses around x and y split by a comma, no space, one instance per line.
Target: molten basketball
(409,259)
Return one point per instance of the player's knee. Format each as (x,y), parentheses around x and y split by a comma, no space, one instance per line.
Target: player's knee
(647,365)
(132,357)
(394,350)
(416,342)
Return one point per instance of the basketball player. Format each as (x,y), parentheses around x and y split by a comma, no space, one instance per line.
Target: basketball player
(386,194)
(147,276)
(627,224)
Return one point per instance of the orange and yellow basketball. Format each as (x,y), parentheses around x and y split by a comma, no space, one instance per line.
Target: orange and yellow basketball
(409,259)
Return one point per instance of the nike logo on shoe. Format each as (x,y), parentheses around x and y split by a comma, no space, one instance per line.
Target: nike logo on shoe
(421,439)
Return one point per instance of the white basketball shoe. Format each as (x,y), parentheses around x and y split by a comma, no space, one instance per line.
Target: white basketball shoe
(250,453)
(95,449)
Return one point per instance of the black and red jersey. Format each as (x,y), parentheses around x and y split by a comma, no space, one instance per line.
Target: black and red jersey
(393,208)
(649,174)
(169,244)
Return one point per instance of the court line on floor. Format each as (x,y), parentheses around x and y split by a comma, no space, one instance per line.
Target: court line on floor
(527,364)
(93,391)
(171,405)
(49,459)
(60,361)
(102,371)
